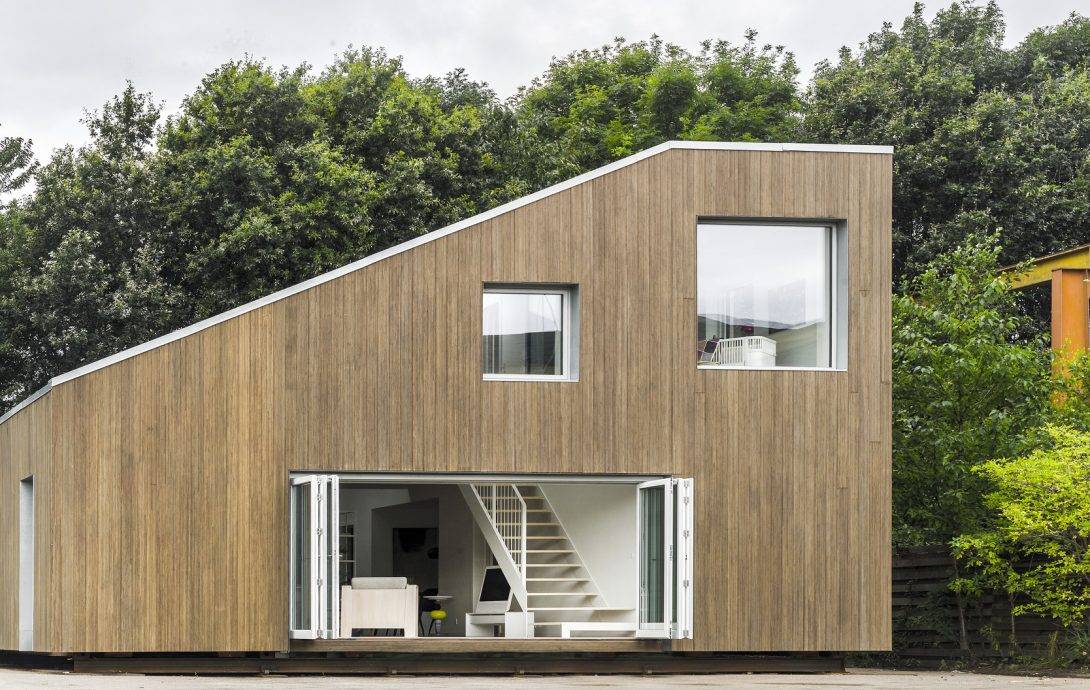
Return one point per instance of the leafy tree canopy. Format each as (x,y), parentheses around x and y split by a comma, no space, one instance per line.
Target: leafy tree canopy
(16,163)
(268,177)
(601,105)
(984,136)
(81,277)
(1037,545)
(965,390)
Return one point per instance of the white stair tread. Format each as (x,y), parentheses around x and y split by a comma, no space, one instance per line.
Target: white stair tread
(549,551)
(577,608)
(531,524)
(554,565)
(561,594)
(546,537)
(519,510)
(558,579)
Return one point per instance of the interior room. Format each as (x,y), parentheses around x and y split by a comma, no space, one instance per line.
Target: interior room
(419,559)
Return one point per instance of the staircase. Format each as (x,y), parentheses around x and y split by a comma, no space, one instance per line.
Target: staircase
(556,584)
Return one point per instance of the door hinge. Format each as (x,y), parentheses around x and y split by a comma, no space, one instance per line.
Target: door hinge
(685,500)
(685,533)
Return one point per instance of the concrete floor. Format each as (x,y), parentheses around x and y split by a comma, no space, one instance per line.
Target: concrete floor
(855,678)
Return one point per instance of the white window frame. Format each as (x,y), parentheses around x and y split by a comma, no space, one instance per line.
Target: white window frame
(838,313)
(570,324)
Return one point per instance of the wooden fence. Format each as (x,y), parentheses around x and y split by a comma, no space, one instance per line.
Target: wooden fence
(926,624)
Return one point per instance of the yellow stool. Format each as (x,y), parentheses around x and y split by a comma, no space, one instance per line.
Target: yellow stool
(437,617)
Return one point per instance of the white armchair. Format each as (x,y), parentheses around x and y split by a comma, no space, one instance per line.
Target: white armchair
(380,602)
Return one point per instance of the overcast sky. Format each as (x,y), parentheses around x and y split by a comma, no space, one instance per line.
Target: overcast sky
(59,57)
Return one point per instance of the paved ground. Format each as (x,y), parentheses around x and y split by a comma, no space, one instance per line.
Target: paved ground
(852,679)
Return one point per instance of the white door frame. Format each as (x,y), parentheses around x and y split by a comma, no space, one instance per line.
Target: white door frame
(677,560)
(331,596)
(310,589)
(323,586)
(684,551)
(656,628)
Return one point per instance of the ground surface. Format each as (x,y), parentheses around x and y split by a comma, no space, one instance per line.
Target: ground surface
(853,679)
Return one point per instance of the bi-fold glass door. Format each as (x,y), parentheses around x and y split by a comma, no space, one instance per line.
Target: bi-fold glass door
(665,514)
(315,594)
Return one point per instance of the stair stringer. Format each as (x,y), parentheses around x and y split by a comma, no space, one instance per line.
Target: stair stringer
(495,543)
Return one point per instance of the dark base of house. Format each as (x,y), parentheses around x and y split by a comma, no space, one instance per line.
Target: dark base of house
(431,663)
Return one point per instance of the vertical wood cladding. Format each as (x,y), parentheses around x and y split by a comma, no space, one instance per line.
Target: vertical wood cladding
(162,478)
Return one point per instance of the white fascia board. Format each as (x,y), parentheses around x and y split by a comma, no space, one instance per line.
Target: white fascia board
(33,396)
(758,146)
(435,235)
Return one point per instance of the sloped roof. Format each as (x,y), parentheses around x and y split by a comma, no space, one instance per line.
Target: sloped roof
(430,237)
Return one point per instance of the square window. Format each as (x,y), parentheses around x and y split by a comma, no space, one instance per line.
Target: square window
(768,296)
(528,333)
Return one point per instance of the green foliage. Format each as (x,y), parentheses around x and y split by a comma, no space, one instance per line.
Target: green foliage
(985,137)
(601,105)
(264,178)
(965,390)
(270,177)
(80,270)
(16,163)
(1038,544)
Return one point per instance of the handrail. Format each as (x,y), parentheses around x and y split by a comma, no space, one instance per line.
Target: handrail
(502,501)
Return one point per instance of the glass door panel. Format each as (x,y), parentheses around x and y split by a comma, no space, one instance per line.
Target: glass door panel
(665,514)
(331,530)
(304,567)
(655,513)
(315,553)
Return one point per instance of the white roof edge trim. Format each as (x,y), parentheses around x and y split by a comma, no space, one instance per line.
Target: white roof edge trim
(26,401)
(435,235)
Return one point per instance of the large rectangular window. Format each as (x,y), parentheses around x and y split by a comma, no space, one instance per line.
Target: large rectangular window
(767,295)
(528,333)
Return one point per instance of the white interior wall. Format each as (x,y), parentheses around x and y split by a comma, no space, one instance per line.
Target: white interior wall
(600,520)
(360,501)
(461,561)
(463,553)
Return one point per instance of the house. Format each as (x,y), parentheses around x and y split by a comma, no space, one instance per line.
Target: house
(1067,275)
(644,413)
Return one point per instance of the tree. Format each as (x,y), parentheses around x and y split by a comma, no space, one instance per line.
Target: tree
(267,178)
(984,136)
(16,163)
(965,390)
(1037,544)
(601,105)
(83,275)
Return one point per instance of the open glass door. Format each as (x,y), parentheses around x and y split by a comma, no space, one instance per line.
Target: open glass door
(331,537)
(314,597)
(305,564)
(655,515)
(665,523)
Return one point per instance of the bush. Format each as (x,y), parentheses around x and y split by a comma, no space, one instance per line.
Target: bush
(1037,547)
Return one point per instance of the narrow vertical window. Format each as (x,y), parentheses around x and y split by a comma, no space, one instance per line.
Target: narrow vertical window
(26,564)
